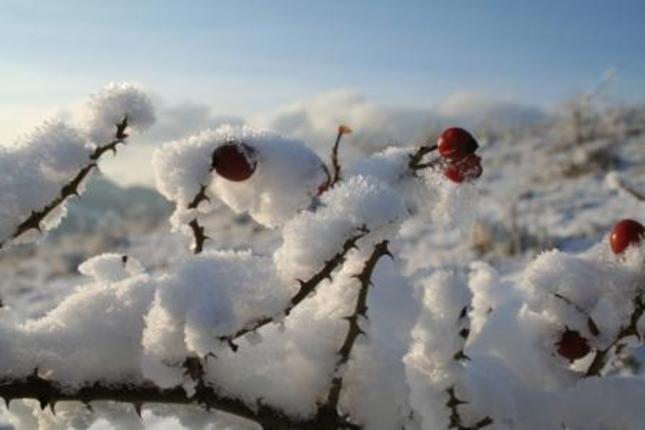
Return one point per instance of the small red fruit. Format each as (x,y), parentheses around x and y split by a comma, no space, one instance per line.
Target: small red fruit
(572,346)
(234,161)
(456,143)
(626,232)
(467,169)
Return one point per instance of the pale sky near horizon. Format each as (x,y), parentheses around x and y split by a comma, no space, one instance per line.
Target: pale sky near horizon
(247,57)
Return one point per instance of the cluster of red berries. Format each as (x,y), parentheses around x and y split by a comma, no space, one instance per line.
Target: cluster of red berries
(457,147)
(626,233)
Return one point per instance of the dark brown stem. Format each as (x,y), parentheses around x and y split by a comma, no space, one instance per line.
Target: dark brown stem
(416,158)
(600,359)
(354,329)
(306,288)
(35,219)
(455,418)
(335,164)
(198,230)
(48,393)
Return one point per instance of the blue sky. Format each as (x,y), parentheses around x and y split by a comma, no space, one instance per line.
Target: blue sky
(248,56)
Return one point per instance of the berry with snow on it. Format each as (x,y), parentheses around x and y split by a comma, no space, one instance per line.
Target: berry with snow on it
(467,169)
(456,143)
(572,346)
(234,161)
(626,232)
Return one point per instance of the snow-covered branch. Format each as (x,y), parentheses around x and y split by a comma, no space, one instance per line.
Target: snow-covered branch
(354,330)
(48,393)
(52,164)
(306,288)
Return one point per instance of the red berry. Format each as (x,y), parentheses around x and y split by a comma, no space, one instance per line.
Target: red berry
(234,161)
(467,169)
(572,346)
(456,143)
(626,232)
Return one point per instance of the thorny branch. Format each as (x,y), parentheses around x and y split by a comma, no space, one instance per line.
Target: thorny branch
(455,418)
(454,402)
(463,333)
(354,329)
(306,288)
(600,359)
(198,230)
(34,220)
(48,393)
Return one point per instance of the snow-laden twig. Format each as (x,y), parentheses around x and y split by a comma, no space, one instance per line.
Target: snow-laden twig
(306,288)
(600,358)
(71,188)
(591,324)
(198,229)
(453,404)
(354,329)
(48,393)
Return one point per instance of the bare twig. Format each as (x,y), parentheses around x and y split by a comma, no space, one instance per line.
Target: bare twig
(48,393)
(306,288)
(34,220)
(335,164)
(354,329)
(416,159)
(600,359)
